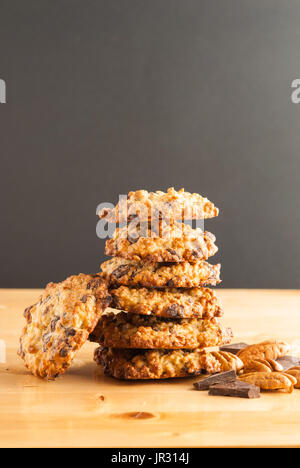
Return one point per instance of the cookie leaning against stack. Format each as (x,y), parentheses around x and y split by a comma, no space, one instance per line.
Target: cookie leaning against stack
(158,276)
(59,324)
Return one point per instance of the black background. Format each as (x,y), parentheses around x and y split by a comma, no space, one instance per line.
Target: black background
(104,97)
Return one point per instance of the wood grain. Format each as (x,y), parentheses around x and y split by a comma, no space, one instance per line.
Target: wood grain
(84,408)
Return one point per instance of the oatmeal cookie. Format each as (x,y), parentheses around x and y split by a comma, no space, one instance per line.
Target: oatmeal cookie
(60,323)
(171,205)
(161,364)
(173,243)
(176,303)
(149,332)
(120,271)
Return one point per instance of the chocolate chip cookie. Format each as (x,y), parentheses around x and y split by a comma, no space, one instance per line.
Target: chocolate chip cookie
(171,205)
(174,303)
(120,271)
(173,243)
(149,332)
(163,364)
(60,323)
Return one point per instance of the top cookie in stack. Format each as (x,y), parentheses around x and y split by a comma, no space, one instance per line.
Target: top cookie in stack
(158,276)
(171,206)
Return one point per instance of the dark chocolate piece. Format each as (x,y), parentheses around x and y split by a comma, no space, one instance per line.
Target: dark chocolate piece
(222,377)
(288,361)
(233,348)
(235,389)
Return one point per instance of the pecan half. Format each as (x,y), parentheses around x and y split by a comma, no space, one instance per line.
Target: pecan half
(262,365)
(270,380)
(266,350)
(228,361)
(295,372)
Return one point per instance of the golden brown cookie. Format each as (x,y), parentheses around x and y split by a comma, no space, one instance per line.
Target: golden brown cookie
(149,332)
(120,271)
(164,243)
(176,303)
(160,364)
(171,205)
(60,323)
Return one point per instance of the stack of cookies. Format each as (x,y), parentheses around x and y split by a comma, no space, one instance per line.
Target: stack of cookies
(158,279)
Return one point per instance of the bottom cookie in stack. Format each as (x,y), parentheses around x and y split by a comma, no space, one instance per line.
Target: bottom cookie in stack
(133,364)
(135,346)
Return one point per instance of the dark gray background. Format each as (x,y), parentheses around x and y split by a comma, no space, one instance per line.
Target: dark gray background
(108,96)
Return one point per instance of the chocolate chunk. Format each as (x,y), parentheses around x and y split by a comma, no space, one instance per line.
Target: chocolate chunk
(70,331)
(186,368)
(173,252)
(84,299)
(46,338)
(47,310)
(120,271)
(94,283)
(233,348)
(197,253)
(106,301)
(93,338)
(63,353)
(53,323)
(190,371)
(27,314)
(288,361)
(235,389)
(222,377)
(170,283)
(27,311)
(101,339)
(115,302)
(175,310)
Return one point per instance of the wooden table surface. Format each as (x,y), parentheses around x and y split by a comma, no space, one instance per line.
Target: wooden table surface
(86,408)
